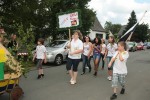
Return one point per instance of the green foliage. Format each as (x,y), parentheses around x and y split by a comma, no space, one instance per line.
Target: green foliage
(42,15)
(26,45)
(131,21)
(141,31)
(114,28)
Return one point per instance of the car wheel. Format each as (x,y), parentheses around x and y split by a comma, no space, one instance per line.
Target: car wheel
(58,60)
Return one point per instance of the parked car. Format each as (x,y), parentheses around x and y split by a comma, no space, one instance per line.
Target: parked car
(148,45)
(140,46)
(131,46)
(56,51)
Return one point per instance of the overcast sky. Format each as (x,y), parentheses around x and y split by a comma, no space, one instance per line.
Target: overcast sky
(118,11)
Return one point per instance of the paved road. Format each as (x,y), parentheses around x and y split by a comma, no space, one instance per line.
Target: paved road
(55,85)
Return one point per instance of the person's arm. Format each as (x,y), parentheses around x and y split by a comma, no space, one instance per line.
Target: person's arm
(106,52)
(34,56)
(90,51)
(99,50)
(45,59)
(124,56)
(120,57)
(80,50)
(113,59)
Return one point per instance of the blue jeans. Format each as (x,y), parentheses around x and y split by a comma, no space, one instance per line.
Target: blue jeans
(86,61)
(109,59)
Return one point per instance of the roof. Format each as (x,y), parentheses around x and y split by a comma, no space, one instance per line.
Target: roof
(121,30)
(97,26)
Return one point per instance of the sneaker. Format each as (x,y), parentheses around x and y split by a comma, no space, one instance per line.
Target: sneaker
(42,75)
(73,82)
(83,73)
(122,91)
(39,76)
(109,78)
(114,96)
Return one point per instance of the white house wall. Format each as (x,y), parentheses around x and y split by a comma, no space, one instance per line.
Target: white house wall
(92,34)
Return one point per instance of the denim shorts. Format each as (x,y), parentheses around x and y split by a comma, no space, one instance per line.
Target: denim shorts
(96,56)
(108,60)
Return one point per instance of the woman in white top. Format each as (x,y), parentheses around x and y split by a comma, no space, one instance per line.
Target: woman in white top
(74,56)
(110,51)
(103,45)
(86,56)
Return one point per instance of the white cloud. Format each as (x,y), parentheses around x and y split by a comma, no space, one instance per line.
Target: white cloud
(118,11)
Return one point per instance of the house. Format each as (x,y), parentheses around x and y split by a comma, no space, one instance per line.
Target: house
(97,30)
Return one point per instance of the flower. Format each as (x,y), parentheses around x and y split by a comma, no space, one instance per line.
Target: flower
(3,57)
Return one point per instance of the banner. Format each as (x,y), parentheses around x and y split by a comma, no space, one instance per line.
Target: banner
(69,20)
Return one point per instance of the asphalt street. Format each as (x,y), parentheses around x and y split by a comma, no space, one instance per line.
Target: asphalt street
(55,85)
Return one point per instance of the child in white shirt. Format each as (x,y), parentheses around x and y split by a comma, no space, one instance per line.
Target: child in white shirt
(40,55)
(119,68)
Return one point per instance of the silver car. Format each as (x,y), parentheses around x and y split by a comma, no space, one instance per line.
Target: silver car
(56,51)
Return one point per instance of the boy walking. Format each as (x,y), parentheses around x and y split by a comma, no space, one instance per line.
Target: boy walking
(40,55)
(119,69)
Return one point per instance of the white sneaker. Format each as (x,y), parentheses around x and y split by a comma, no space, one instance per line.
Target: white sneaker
(73,82)
(109,78)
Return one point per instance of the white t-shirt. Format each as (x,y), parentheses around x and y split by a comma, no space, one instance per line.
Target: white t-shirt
(86,49)
(75,45)
(111,49)
(120,66)
(103,48)
(40,50)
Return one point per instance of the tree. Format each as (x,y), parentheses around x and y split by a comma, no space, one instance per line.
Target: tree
(42,15)
(131,21)
(140,33)
(114,28)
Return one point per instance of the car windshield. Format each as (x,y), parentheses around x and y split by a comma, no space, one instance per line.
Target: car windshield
(130,43)
(56,44)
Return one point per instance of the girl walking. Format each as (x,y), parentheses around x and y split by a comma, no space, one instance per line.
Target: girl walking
(103,45)
(40,55)
(86,56)
(74,57)
(96,54)
(119,69)
(110,51)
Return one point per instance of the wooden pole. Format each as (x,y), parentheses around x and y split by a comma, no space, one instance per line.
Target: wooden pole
(69,34)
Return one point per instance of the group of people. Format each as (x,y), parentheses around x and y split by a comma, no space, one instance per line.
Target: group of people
(115,53)
(83,48)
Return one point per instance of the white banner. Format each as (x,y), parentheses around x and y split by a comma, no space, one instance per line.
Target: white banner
(68,20)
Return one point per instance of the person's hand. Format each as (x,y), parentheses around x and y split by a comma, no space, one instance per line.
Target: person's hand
(109,65)
(88,56)
(71,53)
(104,58)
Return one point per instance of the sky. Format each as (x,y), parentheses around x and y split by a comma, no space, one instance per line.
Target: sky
(118,11)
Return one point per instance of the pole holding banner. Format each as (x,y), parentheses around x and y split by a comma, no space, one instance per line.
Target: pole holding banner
(69,34)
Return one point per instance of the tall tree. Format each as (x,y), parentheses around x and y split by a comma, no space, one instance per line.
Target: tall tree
(131,21)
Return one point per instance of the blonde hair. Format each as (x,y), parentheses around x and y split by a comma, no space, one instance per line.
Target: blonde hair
(79,34)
